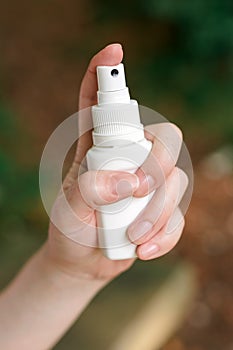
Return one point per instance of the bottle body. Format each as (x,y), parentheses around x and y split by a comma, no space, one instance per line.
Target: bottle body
(114,219)
(119,144)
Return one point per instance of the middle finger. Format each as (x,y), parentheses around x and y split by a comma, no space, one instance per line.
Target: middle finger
(160,207)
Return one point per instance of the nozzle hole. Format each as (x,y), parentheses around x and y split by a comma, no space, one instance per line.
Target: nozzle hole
(114,72)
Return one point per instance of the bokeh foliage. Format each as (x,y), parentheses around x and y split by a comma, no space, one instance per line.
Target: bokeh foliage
(19,195)
(194,61)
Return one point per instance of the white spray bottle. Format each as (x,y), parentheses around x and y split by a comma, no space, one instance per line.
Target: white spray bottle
(118,144)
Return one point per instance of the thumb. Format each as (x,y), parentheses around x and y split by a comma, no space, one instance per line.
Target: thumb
(74,211)
(109,56)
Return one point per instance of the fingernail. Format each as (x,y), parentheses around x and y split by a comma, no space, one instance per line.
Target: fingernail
(149,250)
(125,185)
(137,231)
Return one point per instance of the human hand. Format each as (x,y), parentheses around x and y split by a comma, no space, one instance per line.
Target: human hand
(161,214)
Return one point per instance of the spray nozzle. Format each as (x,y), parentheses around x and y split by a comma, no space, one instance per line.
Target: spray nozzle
(112,85)
(111,78)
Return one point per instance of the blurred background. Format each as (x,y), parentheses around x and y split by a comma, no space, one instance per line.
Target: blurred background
(179,61)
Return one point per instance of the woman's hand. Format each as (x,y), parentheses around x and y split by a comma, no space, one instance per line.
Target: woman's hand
(58,282)
(150,229)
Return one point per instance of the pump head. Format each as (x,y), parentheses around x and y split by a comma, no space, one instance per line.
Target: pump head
(111,78)
(112,85)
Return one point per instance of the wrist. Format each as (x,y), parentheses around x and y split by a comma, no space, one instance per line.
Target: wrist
(62,275)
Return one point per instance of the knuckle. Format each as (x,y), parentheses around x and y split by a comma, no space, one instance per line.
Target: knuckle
(174,243)
(177,130)
(183,178)
(177,234)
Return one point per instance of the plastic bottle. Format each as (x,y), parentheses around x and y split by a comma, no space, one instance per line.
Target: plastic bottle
(118,144)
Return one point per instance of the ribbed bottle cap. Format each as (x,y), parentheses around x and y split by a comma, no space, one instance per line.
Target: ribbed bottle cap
(114,118)
(115,114)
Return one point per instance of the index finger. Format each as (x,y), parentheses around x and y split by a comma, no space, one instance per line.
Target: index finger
(167,142)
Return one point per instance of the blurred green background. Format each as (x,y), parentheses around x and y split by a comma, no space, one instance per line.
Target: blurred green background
(179,61)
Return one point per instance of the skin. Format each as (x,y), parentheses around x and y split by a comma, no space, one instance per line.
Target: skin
(58,282)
